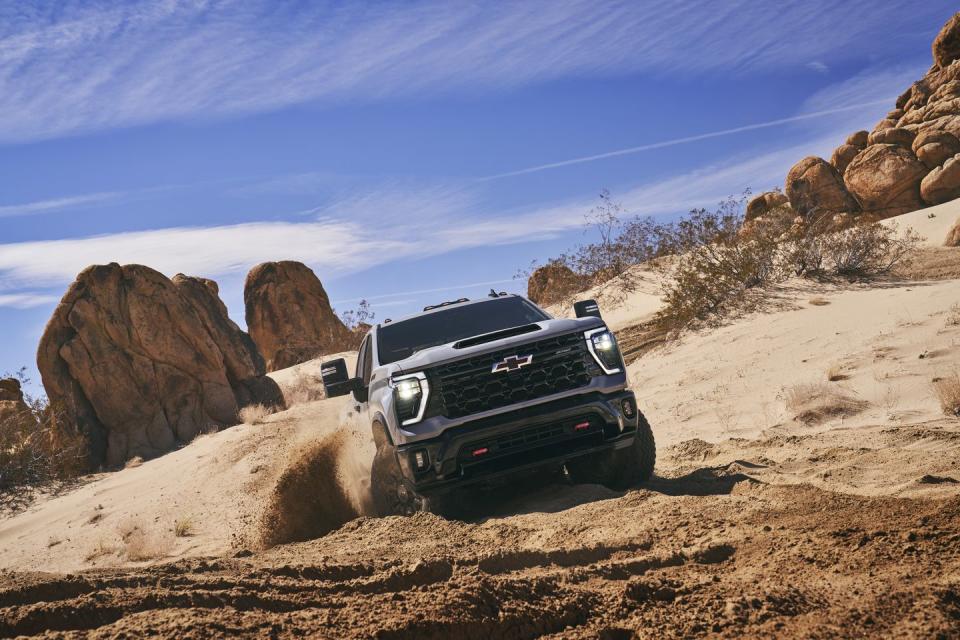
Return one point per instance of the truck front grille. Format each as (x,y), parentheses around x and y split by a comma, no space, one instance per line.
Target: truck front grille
(466,387)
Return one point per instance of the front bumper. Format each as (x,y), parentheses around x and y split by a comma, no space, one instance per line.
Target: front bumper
(549,434)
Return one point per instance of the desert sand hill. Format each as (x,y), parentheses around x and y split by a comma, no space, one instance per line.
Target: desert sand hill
(806,486)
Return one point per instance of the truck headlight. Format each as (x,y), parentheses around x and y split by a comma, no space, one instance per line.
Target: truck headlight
(603,347)
(410,397)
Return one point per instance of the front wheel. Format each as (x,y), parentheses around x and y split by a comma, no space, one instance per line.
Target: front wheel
(619,468)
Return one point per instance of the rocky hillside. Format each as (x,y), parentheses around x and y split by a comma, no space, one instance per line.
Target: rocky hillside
(910,160)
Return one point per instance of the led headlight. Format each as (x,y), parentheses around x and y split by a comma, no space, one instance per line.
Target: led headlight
(410,396)
(603,347)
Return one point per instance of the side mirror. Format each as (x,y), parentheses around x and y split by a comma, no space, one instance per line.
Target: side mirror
(336,380)
(586,308)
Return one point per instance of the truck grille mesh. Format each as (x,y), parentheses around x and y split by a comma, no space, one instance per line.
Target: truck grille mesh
(466,387)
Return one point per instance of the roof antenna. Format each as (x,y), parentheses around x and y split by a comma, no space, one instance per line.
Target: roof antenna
(493,294)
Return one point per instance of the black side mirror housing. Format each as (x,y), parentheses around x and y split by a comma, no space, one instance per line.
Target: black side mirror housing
(586,308)
(337,382)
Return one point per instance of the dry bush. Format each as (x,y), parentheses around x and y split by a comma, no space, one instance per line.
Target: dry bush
(953,317)
(856,252)
(100,549)
(183,527)
(133,462)
(815,402)
(836,373)
(948,392)
(255,414)
(38,446)
(818,302)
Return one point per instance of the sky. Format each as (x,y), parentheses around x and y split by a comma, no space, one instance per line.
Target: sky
(409,152)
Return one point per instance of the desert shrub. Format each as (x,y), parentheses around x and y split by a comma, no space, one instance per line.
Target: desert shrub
(358,321)
(39,445)
(815,402)
(858,251)
(255,413)
(948,392)
(305,387)
(140,543)
(183,527)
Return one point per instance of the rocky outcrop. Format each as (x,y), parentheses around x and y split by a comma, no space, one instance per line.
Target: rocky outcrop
(943,183)
(953,236)
(552,283)
(843,156)
(815,187)
(933,148)
(886,170)
(946,46)
(893,135)
(245,367)
(289,315)
(764,204)
(14,412)
(133,360)
(885,179)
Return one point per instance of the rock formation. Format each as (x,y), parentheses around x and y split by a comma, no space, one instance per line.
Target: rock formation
(953,236)
(289,315)
(764,204)
(140,364)
(814,187)
(905,163)
(885,180)
(13,410)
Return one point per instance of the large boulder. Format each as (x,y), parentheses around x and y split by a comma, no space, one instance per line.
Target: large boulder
(885,179)
(14,412)
(943,183)
(552,283)
(953,236)
(127,358)
(843,156)
(858,139)
(946,46)
(764,204)
(933,148)
(814,188)
(895,135)
(289,315)
(245,367)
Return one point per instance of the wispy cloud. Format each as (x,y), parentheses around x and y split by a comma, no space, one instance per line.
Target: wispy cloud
(90,66)
(694,138)
(26,300)
(56,204)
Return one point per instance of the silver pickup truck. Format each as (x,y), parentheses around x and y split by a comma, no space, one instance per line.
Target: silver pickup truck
(478,391)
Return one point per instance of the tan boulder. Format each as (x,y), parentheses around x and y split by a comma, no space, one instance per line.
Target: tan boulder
(933,148)
(843,156)
(764,203)
(14,412)
(858,139)
(814,187)
(946,46)
(245,367)
(289,315)
(953,236)
(943,183)
(552,283)
(886,123)
(896,135)
(885,179)
(128,360)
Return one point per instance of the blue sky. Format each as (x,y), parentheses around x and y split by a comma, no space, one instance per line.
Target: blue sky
(408,151)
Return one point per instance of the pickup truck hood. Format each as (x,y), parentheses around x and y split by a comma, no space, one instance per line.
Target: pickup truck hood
(447,353)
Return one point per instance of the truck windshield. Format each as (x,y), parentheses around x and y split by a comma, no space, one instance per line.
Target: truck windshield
(402,339)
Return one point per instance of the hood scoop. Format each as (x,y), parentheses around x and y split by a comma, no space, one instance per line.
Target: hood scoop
(496,335)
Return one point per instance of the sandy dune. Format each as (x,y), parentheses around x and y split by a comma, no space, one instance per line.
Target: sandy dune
(758,523)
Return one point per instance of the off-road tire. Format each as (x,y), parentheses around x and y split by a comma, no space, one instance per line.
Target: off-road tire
(620,468)
(389,492)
